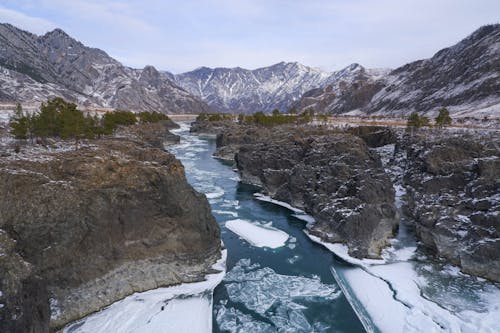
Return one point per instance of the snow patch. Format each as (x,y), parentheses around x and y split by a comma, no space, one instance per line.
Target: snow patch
(260,235)
(186,308)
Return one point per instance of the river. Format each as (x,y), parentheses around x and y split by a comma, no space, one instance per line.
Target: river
(300,286)
(281,280)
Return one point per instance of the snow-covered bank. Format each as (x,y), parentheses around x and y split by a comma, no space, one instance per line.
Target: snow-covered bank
(266,198)
(395,296)
(183,308)
(408,292)
(260,235)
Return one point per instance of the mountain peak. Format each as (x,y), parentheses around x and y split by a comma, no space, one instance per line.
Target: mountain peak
(57,32)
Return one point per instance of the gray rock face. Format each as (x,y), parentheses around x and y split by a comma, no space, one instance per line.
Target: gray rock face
(453,186)
(332,176)
(35,68)
(82,229)
(350,89)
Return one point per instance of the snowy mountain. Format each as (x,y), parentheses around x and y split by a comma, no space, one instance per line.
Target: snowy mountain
(243,90)
(35,68)
(264,89)
(465,78)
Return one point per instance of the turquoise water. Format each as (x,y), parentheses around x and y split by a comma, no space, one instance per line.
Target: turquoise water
(287,289)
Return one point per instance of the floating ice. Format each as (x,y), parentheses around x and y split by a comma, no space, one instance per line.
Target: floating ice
(186,308)
(217,193)
(234,321)
(225,212)
(282,300)
(257,234)
(408,306)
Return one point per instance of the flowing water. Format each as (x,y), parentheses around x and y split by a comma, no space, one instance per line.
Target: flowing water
(292,284)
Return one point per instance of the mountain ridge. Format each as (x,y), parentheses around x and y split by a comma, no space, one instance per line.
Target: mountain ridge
(463,77)
(35,68)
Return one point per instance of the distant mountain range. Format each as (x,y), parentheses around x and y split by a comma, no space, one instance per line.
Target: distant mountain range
(34,68)
(464,77)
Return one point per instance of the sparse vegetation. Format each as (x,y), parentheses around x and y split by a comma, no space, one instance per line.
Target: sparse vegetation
(417,121)
(443,118)
(213,117)
(61,119)
(151,117)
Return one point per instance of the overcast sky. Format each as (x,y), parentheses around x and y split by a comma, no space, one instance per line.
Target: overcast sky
(184,34)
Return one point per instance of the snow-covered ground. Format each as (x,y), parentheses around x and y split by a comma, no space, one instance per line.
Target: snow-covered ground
(186,308)
(258,234)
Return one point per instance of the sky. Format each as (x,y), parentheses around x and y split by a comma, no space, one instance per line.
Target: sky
(182,35)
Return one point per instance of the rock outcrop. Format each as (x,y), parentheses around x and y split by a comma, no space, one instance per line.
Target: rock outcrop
(333,176)
(453,186)
(80,229)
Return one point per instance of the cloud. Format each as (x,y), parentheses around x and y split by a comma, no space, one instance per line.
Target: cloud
(33,24)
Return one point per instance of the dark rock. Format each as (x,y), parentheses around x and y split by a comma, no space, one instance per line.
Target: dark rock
(84,228)
(333,176)
(453,186)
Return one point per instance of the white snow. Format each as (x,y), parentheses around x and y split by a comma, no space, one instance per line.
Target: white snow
(388,294)
(257,234)
(186,308)
(262,197)
(304,217)
(341,251)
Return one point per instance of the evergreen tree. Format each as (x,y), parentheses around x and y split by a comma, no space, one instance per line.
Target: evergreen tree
(416,121)
(19,123)
(443,118)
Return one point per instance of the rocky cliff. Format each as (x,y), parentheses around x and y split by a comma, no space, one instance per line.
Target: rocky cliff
(80,229)
(331,175)
(451,180)
(36,68)
(453,186)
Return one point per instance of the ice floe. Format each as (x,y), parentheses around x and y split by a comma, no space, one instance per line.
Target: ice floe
(280,300)
(258,234)
(186,308)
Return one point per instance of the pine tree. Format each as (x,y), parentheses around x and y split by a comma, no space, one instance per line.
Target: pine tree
(443,118)
(19,123)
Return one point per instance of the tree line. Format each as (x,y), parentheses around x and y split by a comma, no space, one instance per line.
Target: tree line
(416,121)
(61,119)
(261,119)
